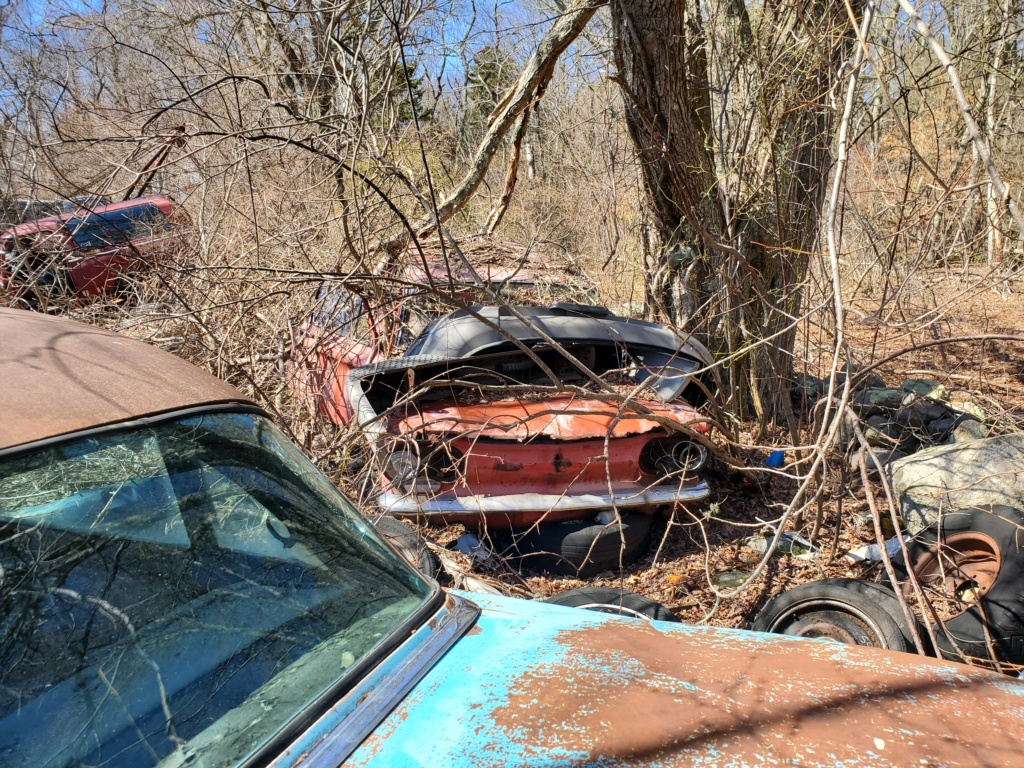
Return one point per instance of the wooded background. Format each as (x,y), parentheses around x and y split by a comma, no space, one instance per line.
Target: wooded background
(761,174)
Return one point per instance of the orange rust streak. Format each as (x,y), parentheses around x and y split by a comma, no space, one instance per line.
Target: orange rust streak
(813,703)
(562,418)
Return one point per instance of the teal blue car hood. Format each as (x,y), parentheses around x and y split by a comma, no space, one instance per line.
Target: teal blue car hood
(532,684)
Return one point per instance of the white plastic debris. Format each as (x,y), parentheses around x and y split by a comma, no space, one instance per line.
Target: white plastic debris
(872,552)
(789,543)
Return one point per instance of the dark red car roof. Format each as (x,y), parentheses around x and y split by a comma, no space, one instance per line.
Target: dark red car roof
(59,376)
(53,223)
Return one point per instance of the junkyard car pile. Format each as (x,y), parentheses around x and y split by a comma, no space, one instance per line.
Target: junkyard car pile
(181,587)
(567,424)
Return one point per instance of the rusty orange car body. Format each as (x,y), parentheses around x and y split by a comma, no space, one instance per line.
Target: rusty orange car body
(474,429)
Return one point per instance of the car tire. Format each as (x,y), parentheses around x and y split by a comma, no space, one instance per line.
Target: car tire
(611,600)
(585,547)
(849,611)
(411,546)
(981,554)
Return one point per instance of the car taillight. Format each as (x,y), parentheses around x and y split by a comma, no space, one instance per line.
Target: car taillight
(665,456)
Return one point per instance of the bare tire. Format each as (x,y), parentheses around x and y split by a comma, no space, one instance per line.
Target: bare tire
(585,547)
(409,545)
(611,600)
(848,611)
(972,566)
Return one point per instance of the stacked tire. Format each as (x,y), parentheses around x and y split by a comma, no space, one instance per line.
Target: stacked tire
(970,565)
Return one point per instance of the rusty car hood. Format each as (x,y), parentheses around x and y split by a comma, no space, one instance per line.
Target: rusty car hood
(541,685)
(559,418)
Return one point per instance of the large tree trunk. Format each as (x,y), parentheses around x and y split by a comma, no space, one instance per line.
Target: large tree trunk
(663,71)
(730,265)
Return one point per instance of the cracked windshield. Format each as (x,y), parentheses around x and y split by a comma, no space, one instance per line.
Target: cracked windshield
(179,593)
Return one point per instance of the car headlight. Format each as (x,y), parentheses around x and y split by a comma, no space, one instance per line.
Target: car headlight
(672,456)
(402,466)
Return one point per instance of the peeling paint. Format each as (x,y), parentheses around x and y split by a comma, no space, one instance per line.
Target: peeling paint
(544,685)
(559,418)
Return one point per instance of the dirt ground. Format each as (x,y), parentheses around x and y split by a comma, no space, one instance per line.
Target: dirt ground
(695,549)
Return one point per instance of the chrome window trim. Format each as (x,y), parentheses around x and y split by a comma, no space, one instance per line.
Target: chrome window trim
(339,731)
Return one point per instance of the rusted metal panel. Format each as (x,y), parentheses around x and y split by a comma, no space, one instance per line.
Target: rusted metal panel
(496,261)
(584,688)
(319,366)
(559,418)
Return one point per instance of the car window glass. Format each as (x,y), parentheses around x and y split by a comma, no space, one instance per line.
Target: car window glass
(180,592)
(99,230)
(119,489)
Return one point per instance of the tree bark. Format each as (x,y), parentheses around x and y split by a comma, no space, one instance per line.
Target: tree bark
(731,266)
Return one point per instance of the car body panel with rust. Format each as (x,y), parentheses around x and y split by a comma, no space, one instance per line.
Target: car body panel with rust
(520,427)
(592,689)
(87,250)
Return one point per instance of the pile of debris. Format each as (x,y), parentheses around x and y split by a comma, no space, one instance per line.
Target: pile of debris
(899,421)
(959,560)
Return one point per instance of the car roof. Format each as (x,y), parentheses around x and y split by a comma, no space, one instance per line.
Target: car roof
(495,261)
(53,223)
(60,376)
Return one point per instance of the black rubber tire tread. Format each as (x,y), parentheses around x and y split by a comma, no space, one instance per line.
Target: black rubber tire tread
(584,547)
(614,598)
(408,543)
(879,603)
(1000,612)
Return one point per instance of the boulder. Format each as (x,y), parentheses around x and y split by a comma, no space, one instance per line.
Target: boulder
(969,408)
(873,402)
(940,429)
(813,387)
(967,430)
(948,477)
(921,413)
(870,380)
(924,388)
(810,386)
(884,457)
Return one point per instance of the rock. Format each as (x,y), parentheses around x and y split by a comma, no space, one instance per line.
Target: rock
(874,402)
(967,430)
(966,406)
(988,471)
(925,388)
(810,386)
(885,457)
(920,413)
(878,438)
(940,429)
(869,380)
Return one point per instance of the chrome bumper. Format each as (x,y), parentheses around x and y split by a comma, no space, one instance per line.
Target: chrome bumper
(540,502)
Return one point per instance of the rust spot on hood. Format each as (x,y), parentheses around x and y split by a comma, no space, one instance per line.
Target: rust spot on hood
(630,694)
(561,418)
